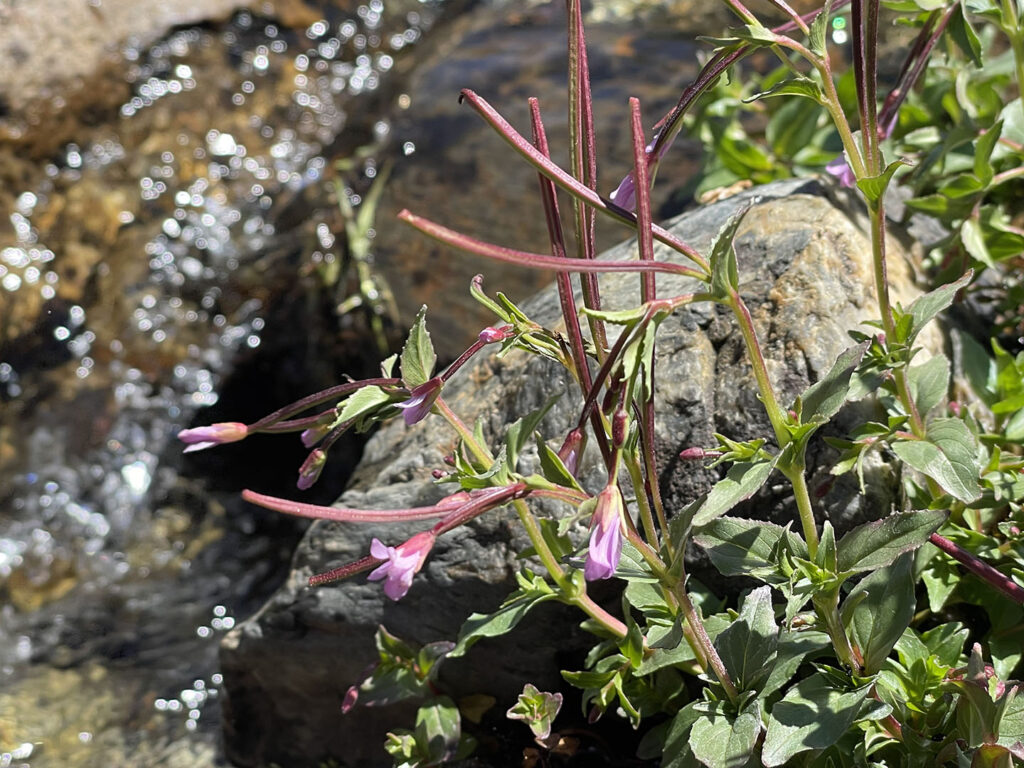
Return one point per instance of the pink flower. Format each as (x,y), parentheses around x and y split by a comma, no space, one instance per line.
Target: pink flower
(421,400)
(624,195)
(605,536)
(842,171)
(403,562)
(215,434)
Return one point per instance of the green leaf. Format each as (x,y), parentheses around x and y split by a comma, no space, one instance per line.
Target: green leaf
(925,307)
(362,403)
(873,187)
(963,34)
(740,483)
(418,358)
(793,647)
(984,145)
(677,753)
(522,430)
(812,715)
(618,316)
(950,458)
(792,128)
(739,547)
(512,611)
(929,383)
(823,399)
(724,275)
(797,86)
(819,30)
(748,645)
(553,468)
(878,543)
(948,455)
(537,709)
(879,618)
(439,729)
(721,741)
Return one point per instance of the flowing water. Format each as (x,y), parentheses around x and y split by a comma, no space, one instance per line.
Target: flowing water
(141,267)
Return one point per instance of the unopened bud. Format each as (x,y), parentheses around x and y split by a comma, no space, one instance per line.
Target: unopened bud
(692,454)
(620,423)
(569,453)
(351,696)
(311,468)
(449,460)
(954,408)
(314,435)
(439,474)
(490,335)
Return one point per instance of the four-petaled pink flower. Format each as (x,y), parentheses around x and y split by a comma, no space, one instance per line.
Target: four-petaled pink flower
(421,400)
(605,536)
(841,169)
(215,434)
(402,563)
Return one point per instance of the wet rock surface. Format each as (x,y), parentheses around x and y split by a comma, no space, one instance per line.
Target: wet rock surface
(286,670)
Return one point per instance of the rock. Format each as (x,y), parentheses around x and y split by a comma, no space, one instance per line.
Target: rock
(53,53)
(805,271)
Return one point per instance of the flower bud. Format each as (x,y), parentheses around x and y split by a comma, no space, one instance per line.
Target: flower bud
(620,426)
(201,438)
(569,453)
(692,454)
(490,335)
(311,468)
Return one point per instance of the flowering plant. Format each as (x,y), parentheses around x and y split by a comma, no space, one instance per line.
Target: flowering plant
(829,662)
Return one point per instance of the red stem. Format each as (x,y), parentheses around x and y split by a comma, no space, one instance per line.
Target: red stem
(979,568)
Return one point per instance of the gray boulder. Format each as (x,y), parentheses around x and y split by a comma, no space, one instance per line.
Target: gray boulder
(806,273)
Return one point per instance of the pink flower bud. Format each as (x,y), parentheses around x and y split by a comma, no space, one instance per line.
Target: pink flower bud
(402,563)
(491,335)
(311,468)
(201,438)
(421,400)
(605,536)
(692,454)
(569,453)
(620,423)
(314,435)
(351,696)
(954,408)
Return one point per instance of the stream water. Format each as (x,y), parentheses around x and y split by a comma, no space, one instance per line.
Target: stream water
(144,265)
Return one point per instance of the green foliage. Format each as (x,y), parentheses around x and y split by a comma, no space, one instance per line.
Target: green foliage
(838,658)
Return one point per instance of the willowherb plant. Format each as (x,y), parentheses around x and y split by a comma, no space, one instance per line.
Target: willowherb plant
(830,663)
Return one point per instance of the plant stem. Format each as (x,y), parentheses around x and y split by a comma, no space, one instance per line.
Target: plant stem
(980,568)
(757,362)
(692,616)
(798,480)
(876,213)
(642,502)
(479,451)
(827,608)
